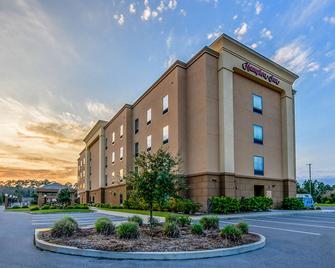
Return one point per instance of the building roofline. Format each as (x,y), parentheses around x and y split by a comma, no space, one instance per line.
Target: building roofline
(236,42)
(97,126)
(126,106)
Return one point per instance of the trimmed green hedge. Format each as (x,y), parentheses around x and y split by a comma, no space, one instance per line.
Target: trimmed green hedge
(227,205)
(292,203)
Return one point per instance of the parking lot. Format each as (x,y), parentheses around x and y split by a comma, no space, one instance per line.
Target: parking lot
(292,241)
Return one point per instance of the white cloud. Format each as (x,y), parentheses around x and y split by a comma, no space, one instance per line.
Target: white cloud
(169,40)
(172,4)
(254,45)
(330,20)
(235,17)
(313,66)
(132,8)
(266,33)
(241,31)
(215,34)
(154,14)
(330,69)
(183,12)
(258,7)
(295,57)
(161,7)
(99,110)
(170,61)
(119,19)
(146,13)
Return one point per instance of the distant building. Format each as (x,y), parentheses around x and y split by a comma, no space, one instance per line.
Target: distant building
(47,194)
(228,113)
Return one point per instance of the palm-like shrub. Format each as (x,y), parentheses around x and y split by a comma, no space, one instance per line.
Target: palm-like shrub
(171,229)
(197,229)
(128,230)
(244,227)
(136,219)
(231,232)
(104,226)
(210,222)
(64,227)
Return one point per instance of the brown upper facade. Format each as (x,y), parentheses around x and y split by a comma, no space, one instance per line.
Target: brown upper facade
(228,110)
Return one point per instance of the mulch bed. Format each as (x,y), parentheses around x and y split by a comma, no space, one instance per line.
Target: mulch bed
(90,239)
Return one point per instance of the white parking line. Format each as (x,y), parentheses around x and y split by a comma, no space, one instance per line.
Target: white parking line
(317,217)
(51,223)
(298,219)
(291,223)
(278,229)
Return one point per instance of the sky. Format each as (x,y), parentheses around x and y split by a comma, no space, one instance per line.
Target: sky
(66,64)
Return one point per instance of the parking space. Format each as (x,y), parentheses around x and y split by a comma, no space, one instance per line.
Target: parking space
(83,219)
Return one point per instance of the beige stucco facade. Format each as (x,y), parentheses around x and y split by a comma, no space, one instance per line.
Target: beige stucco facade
(210,122)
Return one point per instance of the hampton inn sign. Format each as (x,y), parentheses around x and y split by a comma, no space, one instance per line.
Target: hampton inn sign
(259,72)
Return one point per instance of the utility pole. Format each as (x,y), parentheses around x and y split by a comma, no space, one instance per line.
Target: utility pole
(310,177)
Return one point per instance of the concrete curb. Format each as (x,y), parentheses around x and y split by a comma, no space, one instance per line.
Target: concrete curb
(181,255)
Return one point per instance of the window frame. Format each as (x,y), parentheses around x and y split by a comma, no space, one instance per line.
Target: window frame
(257,141)
(136,126)
(254,108)
(166,141)
(121,153)
(121,131)
(149,137)
(136,146)
(166,109)
(149,116)
(258,172)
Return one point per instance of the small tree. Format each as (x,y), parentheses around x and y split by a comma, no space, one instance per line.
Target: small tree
(156,179)
(64,196)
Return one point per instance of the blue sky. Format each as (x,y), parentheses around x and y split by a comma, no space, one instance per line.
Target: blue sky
(65,64)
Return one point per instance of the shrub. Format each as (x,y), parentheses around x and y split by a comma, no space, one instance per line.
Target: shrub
(210,222)
(171,229)
(45,207)
(64,227)
(197,229)
(34,208)
(171,218)
(231,232)
(136,219)
(244,227)
(261,203)
(222,204)
(104,226)
(128,230)
(184,221)
(292,203)
(186,206)
(15,207)
(53,207)
(25,206)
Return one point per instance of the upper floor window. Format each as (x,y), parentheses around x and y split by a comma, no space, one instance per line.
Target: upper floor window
(113,175)
(148,143)
(259,165)
(113,157)
(136,125)
(106,180)
(106,161)
(148,116)
(121,153)
(113,137)
(257,104)
(106,143)
(258,134)
(121,131)
(136,149)
(121,174)
(84,160)
(165,104)
(165,134)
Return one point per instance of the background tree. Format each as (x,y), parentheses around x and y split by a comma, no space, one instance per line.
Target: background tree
(156,179)
(316,188)
(64,196)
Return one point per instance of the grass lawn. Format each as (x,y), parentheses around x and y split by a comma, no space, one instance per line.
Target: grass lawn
(142,212)
(49,211)
(19,209)
(325,205)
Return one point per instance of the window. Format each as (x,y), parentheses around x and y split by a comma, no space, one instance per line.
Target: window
(113,177)
(165,104)
(257,104)
(148,116)
(106,161)
(84,173)
(121,131)
(148,143)
(113,157)
(84,160)
(165,134)
(121,153)
(113,137)
(121,199)
(106,144)
(258,134)
(106,177)
(259,165)
(136,125)
(136,149)
(121,174)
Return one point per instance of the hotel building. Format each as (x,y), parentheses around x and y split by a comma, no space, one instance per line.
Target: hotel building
(228,113)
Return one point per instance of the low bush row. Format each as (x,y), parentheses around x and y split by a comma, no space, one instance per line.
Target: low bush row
(67,226)
(226,205)
(292,203)
(186,206)
(47,207)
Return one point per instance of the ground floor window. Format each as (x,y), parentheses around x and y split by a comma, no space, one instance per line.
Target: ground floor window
(121,199)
